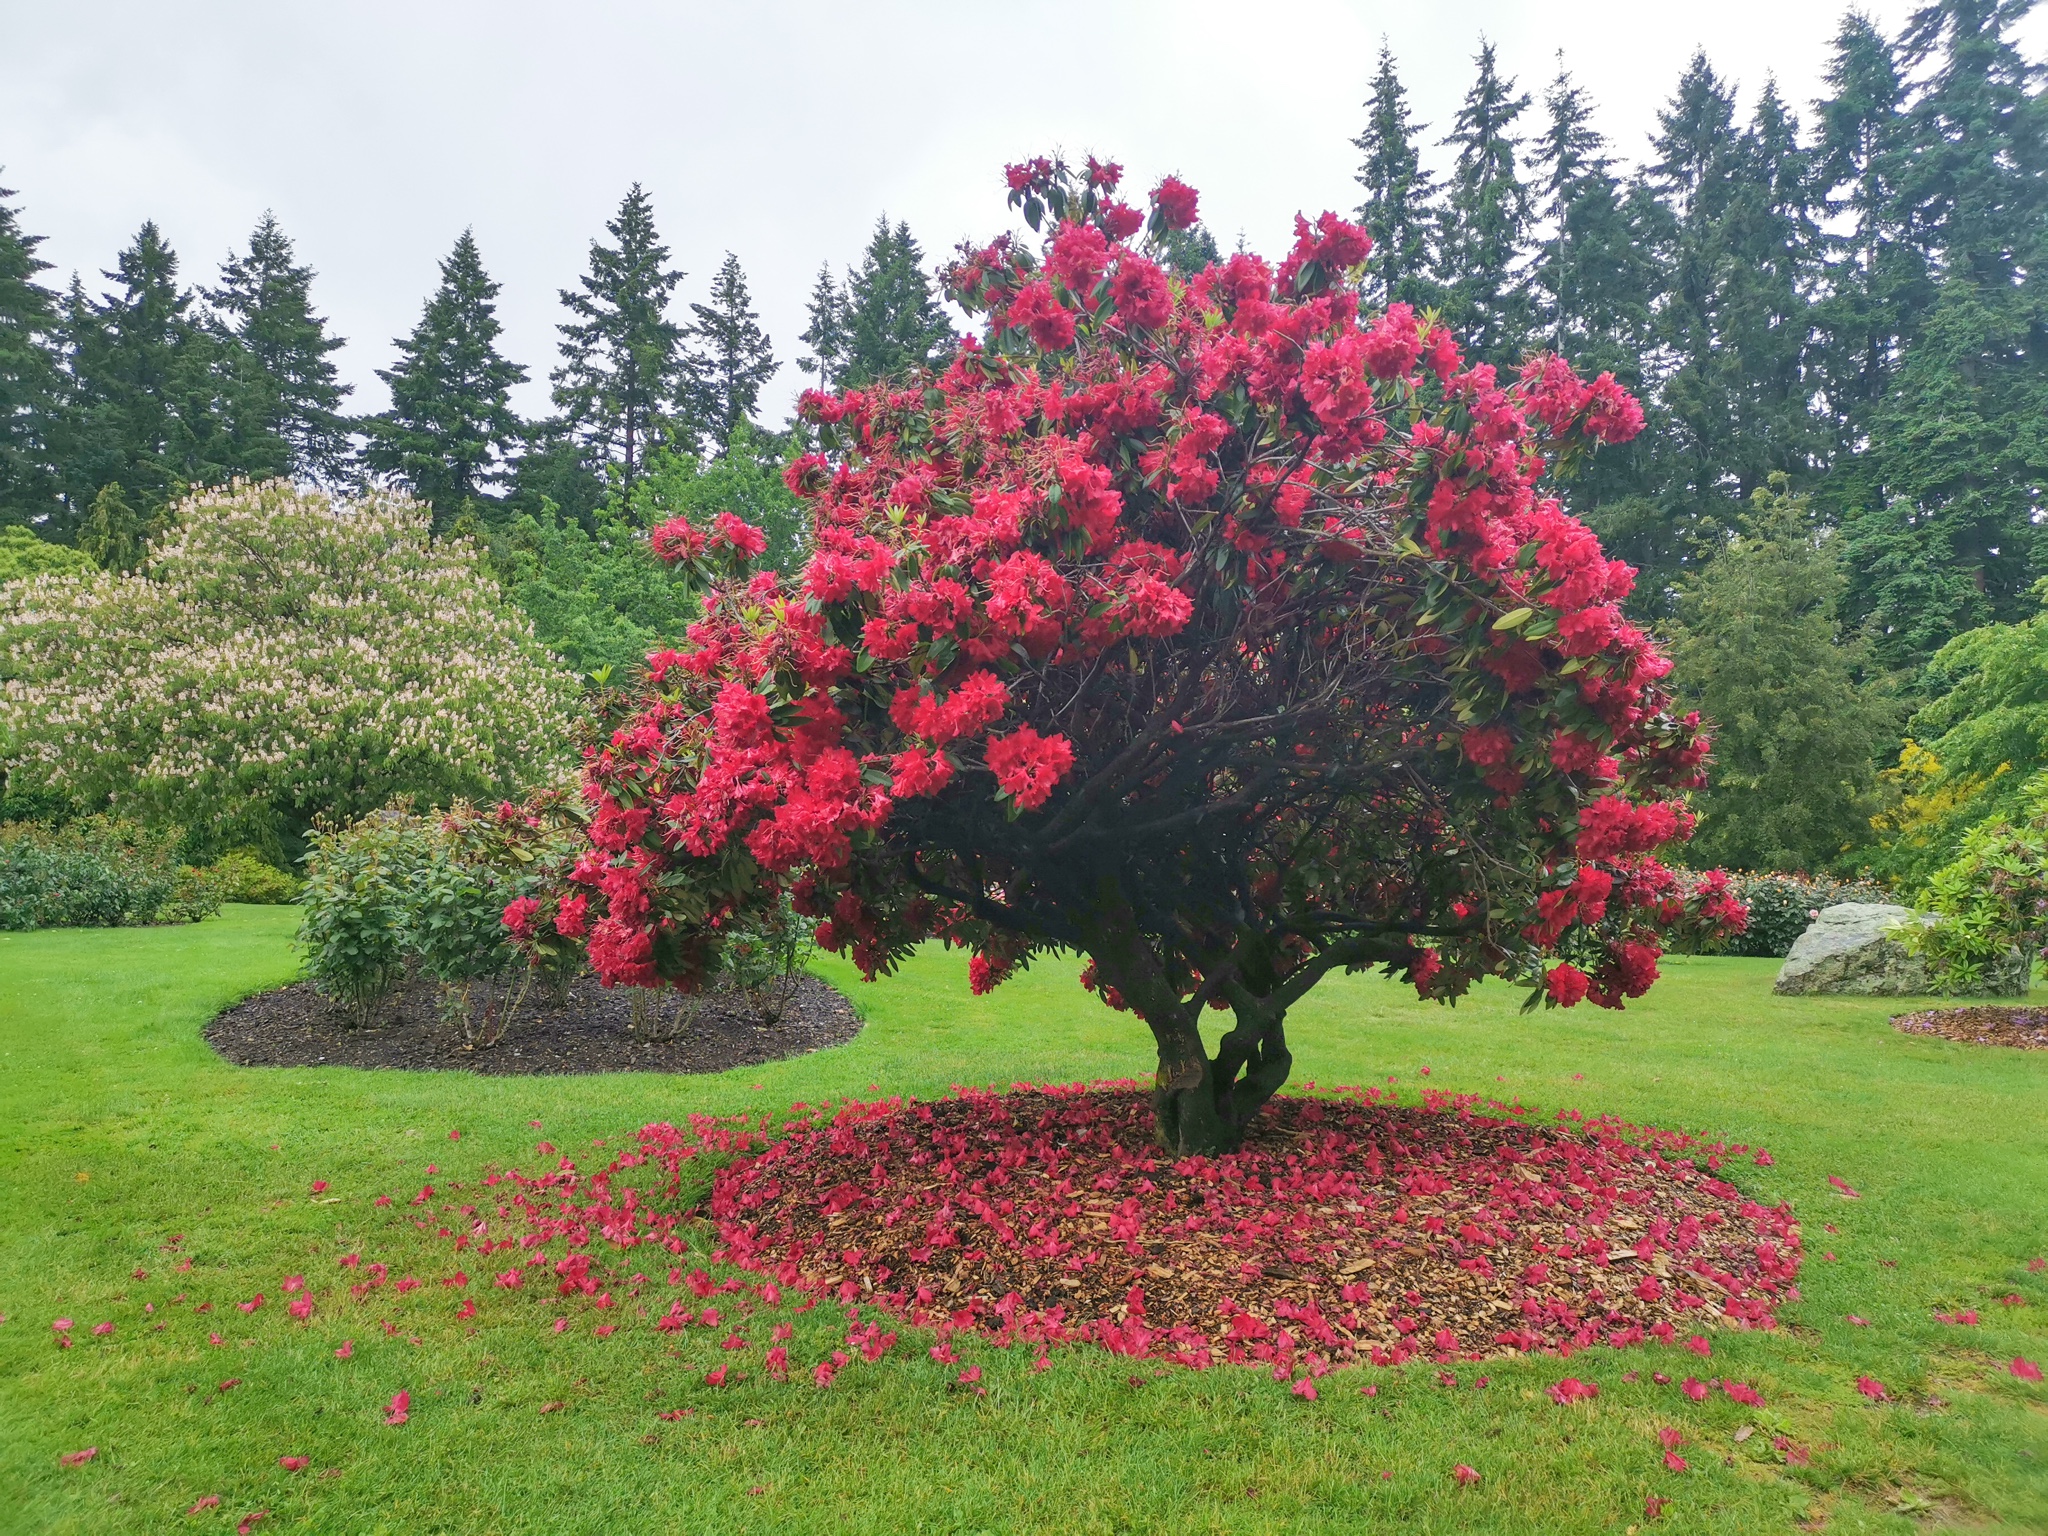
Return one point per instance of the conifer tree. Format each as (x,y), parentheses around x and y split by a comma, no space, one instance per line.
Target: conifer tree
(157,393)
(114,533)
(1484,224)
(1877,285)
(1693,175)
(264,309)
(451,426)
(1594,280)
(621,355)
(1765,326)
(890,316)
(1797,718)
(1397,210)
(1945,537)
(31,383)
(731,357)
(826,333)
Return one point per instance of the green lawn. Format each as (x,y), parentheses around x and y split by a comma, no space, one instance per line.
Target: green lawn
(119,1129)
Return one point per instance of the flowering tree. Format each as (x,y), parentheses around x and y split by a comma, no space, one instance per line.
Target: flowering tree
(1212,630)
(282,655)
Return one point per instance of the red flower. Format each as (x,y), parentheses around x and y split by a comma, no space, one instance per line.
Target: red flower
(1566,984)
(1176,202)
(676,540)
(741,537)
(1027,765)
(1464,1474)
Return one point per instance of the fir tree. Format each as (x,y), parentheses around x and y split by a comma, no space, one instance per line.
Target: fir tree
(826,333)
(264,304)
(1398,191)
(1956,470)
(451,425)
(621,356)
(114,533)
(1484,224)
(731,358)
(1798,724)
(890,316)
(1877,284)
(1765,327)
(159,405)
(31,383)
(1594,280)
(1694,175)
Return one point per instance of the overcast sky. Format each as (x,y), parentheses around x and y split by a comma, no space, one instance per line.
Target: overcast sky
(377,130)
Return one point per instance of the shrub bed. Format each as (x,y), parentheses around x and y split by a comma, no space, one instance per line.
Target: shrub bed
(98,873)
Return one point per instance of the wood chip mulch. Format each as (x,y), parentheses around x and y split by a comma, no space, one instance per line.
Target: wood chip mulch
(295,1026)
(2025,1028)
(1348,1228)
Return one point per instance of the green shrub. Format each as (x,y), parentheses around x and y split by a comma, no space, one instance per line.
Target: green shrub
(246,876)
(1992,898)
(98,873)
(399,891)
(354,901)
(1780,907)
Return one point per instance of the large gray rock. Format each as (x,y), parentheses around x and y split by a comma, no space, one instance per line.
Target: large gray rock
(1853,948)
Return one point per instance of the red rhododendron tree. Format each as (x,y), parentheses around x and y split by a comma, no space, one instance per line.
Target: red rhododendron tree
(1214,630)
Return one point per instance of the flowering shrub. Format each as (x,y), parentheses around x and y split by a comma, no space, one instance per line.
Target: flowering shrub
(435,892)
(283,655)
(98,873)
(1214,629)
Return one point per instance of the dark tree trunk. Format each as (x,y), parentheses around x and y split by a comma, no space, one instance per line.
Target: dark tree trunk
(1203,1105)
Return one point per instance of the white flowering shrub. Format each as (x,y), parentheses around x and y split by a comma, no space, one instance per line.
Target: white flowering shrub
(282,655)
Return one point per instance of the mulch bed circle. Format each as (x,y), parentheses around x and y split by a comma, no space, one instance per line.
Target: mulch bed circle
(1984,1024)
(295,1026)
(1348,1228)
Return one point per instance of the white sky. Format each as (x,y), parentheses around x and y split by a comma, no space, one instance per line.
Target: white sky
(377,130)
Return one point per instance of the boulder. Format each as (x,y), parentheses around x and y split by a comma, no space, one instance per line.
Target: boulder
(1853,948)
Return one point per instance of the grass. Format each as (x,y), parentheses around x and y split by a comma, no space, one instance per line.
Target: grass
(118,1129)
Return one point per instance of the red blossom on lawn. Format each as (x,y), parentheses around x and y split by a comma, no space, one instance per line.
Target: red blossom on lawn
(399,1409)
(894,1200)
(1963,1319)
(1742,1392)
(102,1330)
(1872,1388)
(319,1186)
(1842,1188)
(301,1308)
(1573,1390)
(1699,1345)
(250,1522)
(1653,1507)
(1464,1474)
(295,1463)
(203,1503)
(1674,1461)
(1694,1389)
(1305,1388)
(2024,1369)
(251,1304)
(348,1347)
(294,1284)
(79,1458)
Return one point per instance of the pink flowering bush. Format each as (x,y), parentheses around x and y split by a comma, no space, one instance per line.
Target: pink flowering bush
(1217,630)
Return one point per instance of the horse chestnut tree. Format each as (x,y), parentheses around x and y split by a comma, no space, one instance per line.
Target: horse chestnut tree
(1212,629)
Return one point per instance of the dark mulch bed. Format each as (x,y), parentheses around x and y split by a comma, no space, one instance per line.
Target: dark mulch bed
(2026,1028)
(296,1027)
